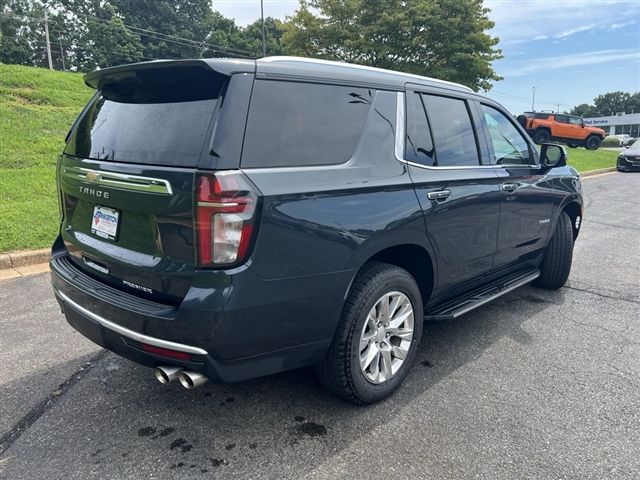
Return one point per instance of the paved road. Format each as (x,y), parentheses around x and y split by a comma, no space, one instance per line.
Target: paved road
(536,385)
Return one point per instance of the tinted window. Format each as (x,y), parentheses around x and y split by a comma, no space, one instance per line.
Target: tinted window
(149,118)
(509,146)
(562,119)
(542,116)
(419,146)
(303,123)
(453,136)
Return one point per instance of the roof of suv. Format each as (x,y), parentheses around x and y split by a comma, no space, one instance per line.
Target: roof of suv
(314,68)
(297,67)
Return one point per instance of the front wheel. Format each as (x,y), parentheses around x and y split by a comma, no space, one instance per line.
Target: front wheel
(377,339)
(556,264)
(593,142)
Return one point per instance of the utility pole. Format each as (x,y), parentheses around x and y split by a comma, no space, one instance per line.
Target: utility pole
(264,43)
(558,108)
(533,99)
(61,52)
(46,34)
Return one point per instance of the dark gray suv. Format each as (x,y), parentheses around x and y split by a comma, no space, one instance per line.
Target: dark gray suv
(226,219)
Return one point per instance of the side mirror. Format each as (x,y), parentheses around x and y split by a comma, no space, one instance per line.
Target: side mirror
(552,155)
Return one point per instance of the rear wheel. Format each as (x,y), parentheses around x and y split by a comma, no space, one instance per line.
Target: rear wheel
(541,136)
(556,264)
(378,336)
(593,142)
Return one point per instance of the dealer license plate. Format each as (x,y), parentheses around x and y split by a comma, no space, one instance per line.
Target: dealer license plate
(105,222)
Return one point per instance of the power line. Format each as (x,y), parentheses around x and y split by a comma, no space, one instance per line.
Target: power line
(156,35)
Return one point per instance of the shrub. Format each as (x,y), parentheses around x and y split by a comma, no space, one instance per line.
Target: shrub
(611,141)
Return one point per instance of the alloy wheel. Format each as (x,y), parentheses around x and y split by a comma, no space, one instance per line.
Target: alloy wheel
(386,337)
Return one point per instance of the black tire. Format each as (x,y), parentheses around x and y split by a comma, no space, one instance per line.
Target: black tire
(593,142)
(556,264)
(572,145)
(541,136)
(340,372)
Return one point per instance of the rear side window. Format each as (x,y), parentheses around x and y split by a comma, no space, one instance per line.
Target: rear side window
(419,145)
(158,117)
(453,135)
(302,124)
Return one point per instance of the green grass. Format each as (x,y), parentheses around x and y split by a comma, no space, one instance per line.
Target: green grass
(586,160)
(37,107)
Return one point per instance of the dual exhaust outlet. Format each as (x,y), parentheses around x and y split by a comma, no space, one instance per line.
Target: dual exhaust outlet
(188,380)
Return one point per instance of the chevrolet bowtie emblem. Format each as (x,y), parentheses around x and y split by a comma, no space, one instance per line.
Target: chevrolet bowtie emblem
(93,177)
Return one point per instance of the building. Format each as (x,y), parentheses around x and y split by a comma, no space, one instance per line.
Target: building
(617,124)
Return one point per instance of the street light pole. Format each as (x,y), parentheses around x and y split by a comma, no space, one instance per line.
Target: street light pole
(264,44)
(533,99)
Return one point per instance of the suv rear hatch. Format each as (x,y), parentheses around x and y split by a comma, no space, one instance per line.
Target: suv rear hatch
(128,172)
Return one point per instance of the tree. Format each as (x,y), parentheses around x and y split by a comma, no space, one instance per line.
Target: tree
(187,19)
(251,37)
(614,102)
(445,39)
(22,38)
(584,110)
(610,103)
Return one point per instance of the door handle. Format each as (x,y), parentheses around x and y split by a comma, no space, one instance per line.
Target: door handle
(510,187)
(439,195)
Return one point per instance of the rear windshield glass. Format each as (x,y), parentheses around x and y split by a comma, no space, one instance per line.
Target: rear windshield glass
(157,116)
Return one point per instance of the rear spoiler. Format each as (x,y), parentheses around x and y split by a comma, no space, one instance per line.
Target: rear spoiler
(224,66)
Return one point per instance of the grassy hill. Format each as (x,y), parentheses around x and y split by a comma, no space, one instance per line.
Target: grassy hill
(37,107)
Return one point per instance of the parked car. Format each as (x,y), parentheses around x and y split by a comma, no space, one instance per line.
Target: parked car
(569,129)
(629,159)
(624,138)
(227,219)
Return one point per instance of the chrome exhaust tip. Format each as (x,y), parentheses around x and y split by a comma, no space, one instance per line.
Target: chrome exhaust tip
(190,380)
(166,375)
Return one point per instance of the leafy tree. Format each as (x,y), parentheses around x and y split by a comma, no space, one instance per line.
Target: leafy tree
(445,39)
(188,19)
(609,104)
(22,38)
(613,102)
(584,110)
(93,35)
(251,37)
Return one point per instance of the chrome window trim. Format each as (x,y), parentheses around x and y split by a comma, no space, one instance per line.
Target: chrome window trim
(119,180)
(125,332)
(400,144)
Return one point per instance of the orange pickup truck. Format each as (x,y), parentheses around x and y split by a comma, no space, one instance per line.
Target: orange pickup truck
(569,129)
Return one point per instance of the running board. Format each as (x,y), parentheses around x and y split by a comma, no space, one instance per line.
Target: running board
(476,298)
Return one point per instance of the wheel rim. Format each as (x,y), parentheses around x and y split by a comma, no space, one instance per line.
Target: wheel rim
(386,337)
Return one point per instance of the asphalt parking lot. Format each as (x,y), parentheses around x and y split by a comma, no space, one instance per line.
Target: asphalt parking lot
(536,385)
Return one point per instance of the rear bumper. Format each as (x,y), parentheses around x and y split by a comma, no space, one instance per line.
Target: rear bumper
(221,341)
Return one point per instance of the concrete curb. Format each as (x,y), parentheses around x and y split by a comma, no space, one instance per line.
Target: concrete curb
(22,258)
(598,172)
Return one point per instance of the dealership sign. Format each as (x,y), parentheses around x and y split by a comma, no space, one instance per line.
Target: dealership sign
(630,119)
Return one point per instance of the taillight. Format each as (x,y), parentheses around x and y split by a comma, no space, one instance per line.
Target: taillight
(225,211)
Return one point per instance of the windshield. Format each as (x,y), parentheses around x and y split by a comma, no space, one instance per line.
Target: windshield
(159,119)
